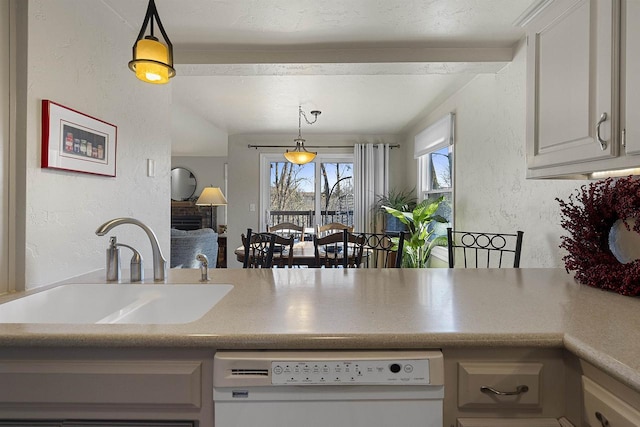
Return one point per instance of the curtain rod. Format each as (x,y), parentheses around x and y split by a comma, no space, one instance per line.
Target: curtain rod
(312,146)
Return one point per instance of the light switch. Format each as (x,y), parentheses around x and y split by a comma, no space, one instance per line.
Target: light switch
(151,167)
(252,207)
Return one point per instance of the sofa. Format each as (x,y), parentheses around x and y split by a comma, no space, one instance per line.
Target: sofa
(187,244)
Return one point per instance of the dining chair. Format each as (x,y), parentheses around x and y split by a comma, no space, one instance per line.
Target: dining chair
(286,229)
(484,250)
(383,250)
(282,251)
(258,249)
(324,230)
(338,250)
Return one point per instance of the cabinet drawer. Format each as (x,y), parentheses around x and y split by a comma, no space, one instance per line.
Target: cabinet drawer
(125,383)
(508,422)
(476,380)
(603,408)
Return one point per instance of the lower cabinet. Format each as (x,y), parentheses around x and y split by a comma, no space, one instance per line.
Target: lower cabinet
(607,402)
(127,387)
(504,387)
(92,424)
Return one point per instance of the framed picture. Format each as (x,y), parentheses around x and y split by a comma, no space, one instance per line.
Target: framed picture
(76,142)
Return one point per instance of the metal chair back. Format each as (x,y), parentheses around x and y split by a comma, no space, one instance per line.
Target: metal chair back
(258,249)
(338,250)
(383,250)
(282,251)
(484,250)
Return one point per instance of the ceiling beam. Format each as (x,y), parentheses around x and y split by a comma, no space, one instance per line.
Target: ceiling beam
(344,55)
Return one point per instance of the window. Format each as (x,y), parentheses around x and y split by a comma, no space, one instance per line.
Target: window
(319,192)
(434,154)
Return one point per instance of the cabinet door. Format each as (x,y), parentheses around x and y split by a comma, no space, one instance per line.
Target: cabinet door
(602,408)
(571,81)
(631,61)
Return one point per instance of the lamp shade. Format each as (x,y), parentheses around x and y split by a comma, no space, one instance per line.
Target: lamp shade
(211,196)
(151,61)
(299,155)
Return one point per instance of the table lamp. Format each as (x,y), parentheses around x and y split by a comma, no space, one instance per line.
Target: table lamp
(211,196)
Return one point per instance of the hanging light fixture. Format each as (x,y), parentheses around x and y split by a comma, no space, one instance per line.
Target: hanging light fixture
(152,60)
(300,155)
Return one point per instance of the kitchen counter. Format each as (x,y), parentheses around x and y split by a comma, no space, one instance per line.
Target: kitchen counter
(366,309)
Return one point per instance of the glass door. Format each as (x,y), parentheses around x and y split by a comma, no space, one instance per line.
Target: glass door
(319,192)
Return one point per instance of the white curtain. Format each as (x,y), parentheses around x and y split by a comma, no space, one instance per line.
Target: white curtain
(371,179)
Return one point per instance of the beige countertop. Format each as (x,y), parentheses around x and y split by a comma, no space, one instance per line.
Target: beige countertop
(364,309)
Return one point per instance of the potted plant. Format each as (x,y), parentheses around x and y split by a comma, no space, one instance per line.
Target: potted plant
(401,200)
(419,221)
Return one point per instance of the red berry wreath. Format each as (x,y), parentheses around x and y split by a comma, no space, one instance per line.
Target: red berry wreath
(588,216)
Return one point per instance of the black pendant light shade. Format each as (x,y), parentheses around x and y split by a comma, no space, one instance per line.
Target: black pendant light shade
(152,60)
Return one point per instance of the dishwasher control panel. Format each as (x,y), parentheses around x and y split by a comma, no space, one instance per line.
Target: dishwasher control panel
(341,372)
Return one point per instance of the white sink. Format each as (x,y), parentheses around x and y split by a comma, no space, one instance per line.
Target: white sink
(115,303)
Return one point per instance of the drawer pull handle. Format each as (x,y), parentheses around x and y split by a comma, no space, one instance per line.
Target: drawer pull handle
(519,390)
(602,142)
(603,420)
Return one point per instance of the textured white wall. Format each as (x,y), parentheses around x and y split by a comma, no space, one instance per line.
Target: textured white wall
(491,192)
(77,56)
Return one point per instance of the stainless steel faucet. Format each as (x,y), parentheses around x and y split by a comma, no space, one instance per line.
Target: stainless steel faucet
(159,263)
(204,267)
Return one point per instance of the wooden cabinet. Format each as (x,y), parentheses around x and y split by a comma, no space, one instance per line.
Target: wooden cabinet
(583,89)
(631,77)
(470,372)
(572,86)
(606,401)
(125,386)
(499,385)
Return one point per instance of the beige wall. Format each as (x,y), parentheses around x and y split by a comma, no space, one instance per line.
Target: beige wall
(76,55)
(244,176)
(491,192)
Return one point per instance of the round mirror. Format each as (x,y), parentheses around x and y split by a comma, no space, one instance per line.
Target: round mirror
(183,184)
(624,244)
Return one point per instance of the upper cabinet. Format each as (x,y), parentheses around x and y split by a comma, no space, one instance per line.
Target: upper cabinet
(631,77)
(575,83)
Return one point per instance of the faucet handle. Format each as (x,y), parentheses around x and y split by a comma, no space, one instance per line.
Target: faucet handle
(113,261)
(137,269)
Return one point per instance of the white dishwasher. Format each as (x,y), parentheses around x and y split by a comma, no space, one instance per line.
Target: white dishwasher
(328,389)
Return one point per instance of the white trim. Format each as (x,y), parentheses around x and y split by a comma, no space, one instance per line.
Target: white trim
(532,11)
(434,137)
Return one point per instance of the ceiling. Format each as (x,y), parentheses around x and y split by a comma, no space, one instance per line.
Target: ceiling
(370,66)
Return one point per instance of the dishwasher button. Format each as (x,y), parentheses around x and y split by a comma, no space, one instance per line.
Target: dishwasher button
(395,368)
(277,370)
(408,368)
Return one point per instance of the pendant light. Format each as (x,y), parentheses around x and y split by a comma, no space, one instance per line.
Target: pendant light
(300,155)
(152,60)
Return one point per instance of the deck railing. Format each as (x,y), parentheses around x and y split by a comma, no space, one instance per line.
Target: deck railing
(307,218)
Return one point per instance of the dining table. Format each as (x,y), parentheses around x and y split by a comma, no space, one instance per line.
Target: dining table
(303,254)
